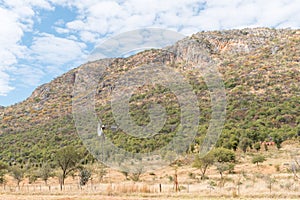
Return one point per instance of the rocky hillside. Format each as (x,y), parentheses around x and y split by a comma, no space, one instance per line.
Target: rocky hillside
(261,72)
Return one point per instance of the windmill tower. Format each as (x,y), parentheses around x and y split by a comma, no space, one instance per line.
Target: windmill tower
(100,130)
(100,133)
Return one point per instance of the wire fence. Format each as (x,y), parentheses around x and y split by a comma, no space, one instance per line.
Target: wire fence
(103,188)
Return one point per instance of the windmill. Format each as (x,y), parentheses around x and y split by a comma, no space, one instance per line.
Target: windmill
(100,132)
(100,129)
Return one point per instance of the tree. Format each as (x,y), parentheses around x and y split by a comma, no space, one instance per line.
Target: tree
(257,146)
(68,159)
(45,172)
(224,159)
(234,143)
(124,171)
(223,155)
(3,171)
(277,139)
(32,175)
(295,165)
(270,182)
(221,168)
(245,143)
(18,174)
(101,171)
(258,159)
(137,172)
(85,176)
(203,163)
(266,146)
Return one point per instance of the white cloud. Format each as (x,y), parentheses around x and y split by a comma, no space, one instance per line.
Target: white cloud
(5,88)
(88,36)
(113,17)
(237,14)
(25,10)
(16,16)
(97,20)
(52,50)
(32,3)
(28,75)
(10,34)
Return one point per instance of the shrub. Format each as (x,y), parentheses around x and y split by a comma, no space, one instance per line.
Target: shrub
(258,159)
(85,176)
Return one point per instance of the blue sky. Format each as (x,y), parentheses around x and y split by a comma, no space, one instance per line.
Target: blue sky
(41,39)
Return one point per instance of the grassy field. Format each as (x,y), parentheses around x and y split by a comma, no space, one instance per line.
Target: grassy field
(269,180)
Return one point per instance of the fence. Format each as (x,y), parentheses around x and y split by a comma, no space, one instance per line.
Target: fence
(102,188)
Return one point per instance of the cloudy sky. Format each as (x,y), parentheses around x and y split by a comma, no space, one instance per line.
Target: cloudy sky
(41,39)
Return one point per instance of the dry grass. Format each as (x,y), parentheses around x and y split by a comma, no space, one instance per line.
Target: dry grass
(254,184)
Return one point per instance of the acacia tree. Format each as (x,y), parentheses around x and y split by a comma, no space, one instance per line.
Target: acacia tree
(221,168)
(68,160)
(18,174)
(203,163)
(223,155)
(258,159)
(45,172)
(224,160)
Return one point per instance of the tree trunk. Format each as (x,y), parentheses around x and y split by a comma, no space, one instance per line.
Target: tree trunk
(203,174)
(62,182)
(18,184)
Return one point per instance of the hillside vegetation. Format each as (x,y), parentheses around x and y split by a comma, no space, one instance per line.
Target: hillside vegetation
(261,73)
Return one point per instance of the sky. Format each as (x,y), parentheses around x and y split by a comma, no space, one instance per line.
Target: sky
(42,39)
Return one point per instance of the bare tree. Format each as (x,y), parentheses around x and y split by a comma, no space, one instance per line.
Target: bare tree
(270,182)
(101,171)
(135,175)
(295,164)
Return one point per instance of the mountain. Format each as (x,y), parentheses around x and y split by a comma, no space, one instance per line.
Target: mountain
(261,73)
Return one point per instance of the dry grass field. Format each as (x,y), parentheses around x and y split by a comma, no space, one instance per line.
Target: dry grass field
(248,181)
